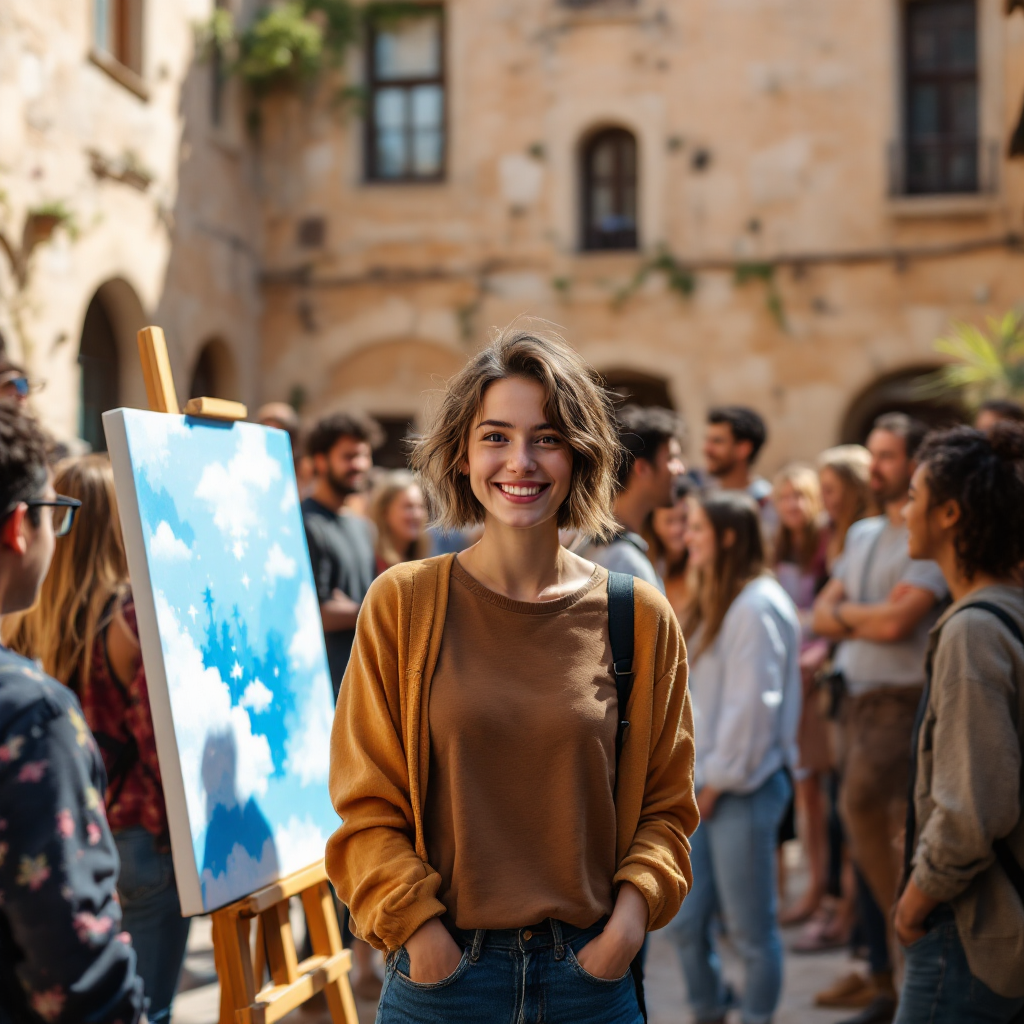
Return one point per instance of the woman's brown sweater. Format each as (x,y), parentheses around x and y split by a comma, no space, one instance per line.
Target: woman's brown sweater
(380,759)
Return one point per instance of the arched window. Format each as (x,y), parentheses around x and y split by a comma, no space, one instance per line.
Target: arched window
(101,372)
(609,191)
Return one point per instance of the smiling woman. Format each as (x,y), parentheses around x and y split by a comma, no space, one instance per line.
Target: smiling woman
(497,893)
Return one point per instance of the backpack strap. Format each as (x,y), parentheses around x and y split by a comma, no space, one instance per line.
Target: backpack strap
(1001,848)
(620,633)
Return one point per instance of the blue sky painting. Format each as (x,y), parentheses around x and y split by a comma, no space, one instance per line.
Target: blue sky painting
(233,647)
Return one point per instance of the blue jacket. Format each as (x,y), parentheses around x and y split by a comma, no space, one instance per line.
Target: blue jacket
(63,956)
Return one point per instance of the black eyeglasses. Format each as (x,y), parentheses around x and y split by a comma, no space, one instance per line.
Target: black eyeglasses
(64,510)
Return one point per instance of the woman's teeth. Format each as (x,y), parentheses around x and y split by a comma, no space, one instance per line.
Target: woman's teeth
(525,491)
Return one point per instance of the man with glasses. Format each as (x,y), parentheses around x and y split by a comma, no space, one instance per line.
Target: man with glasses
(63,956)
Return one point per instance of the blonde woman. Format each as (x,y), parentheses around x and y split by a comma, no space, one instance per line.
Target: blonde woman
(493,843)
(745,642)
(799,566)
(399,511)
(82,629)
(844,473)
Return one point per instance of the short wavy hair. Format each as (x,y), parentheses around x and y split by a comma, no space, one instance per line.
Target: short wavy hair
(577,406)
(984,474)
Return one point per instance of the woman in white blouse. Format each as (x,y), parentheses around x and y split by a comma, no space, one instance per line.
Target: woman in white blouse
(744,640)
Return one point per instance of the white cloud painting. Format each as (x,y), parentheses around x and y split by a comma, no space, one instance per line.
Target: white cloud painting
(234,651)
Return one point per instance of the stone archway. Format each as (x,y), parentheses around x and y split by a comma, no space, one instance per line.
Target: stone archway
(215,372)
(638,388)
(397,382)
(900,391)
(388,378)
(100,366)
(110,371)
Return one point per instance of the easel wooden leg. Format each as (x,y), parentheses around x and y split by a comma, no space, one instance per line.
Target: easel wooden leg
(281,956)
(231,934)
(325,937)
(244,997)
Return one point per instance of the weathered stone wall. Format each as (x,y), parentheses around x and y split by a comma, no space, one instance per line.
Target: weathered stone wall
(794,105)
(165,226)
(764,130)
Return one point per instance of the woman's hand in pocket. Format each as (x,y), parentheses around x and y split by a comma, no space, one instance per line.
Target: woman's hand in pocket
(433,953)
(911,912)
(609,954)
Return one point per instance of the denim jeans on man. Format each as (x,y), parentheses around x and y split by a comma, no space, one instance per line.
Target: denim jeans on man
(733,860)
(152,916)
(519,974)
(938,987)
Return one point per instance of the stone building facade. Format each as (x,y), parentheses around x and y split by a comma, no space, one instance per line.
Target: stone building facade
(105,120)
(775,202)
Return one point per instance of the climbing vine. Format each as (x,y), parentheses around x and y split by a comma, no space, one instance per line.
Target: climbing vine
(765,272)
(682,279)
(293,42)
(679,278)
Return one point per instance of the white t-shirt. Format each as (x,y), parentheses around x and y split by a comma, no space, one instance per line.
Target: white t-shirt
(746,691)
(874,561)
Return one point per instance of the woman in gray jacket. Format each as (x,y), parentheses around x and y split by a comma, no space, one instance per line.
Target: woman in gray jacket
(961,915)
(744,641)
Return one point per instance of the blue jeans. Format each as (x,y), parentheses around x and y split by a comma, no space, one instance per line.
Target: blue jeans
(528,974)
(152,916)
(938,987)
(733,859)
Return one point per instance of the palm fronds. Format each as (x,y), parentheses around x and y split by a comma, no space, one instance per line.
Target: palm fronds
(986,363)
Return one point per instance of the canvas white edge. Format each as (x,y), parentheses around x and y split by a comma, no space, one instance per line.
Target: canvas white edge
(186,873)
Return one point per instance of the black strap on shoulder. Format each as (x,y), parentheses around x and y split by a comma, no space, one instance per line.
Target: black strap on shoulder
(1001,614)
(1001,848)
(620,635)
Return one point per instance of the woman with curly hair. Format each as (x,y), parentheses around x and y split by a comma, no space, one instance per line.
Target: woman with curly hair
(961,914)
(493,843)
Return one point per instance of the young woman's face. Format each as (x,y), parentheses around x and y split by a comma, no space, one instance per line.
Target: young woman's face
(669,525)
(924,523)
(791,507)
(833,493)
(700,538)
(406,516)
(519,466)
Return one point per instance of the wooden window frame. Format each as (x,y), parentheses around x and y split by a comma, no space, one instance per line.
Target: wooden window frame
(372,171)
(947,144)
(590,238)
(125,61)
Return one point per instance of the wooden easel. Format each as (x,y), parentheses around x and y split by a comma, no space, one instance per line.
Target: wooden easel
(244,999)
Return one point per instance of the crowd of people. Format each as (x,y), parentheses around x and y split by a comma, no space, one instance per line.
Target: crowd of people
(835,655)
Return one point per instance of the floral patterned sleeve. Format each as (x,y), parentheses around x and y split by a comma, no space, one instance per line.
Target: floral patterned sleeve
(68,959)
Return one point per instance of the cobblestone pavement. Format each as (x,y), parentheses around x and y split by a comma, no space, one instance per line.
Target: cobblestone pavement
(805,975)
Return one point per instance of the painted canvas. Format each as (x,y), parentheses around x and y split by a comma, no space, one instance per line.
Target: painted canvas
(232,644)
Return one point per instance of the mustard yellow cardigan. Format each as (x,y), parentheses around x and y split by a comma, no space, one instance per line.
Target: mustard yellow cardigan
(380,754)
